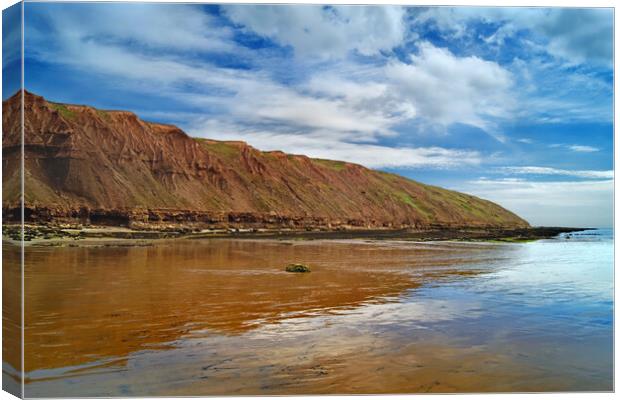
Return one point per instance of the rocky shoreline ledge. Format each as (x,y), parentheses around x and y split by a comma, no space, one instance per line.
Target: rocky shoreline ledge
(60,234)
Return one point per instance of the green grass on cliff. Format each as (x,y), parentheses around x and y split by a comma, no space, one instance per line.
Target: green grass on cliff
(333,165)
(103,115)
(63,110)
(222,149)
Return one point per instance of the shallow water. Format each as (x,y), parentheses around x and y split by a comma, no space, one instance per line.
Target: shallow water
(202,317)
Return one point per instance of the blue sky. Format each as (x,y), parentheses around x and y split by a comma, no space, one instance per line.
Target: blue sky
(510,104)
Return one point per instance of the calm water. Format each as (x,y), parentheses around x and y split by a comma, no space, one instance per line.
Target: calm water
(222,317)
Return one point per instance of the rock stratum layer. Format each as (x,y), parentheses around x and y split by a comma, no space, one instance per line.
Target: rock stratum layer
(110,167)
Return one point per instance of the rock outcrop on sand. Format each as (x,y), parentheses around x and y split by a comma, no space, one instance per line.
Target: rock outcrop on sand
(110,167)
(299,268)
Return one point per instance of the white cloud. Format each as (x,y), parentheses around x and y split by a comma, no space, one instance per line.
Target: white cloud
(555,171)
(267,102)
(551,93)
(248,96)
(156,26)
(327,145)
(525,140)
(583,149)
(577,148)
(563,88)
(578,34)
(446,89)
(575,34)
(365,103)
(328,31)
(436,87)
(355,104)
(575,203)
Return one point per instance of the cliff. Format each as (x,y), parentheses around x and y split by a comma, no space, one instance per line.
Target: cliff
(110,167)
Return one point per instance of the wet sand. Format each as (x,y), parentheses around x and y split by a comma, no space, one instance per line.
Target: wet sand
(200,317)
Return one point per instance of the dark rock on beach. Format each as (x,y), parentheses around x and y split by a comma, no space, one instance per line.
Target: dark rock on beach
(297,268)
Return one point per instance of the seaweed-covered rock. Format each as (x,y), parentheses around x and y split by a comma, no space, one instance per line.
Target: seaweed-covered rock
(297,268)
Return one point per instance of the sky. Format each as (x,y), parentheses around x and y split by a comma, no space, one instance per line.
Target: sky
(514,105)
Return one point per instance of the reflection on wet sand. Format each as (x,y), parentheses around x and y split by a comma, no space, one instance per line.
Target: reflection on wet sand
(84,304)
(223,317)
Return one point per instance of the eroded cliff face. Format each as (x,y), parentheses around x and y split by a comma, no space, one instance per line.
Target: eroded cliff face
(100,167)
